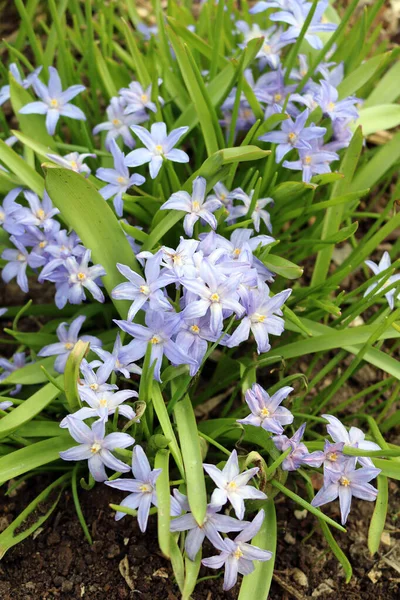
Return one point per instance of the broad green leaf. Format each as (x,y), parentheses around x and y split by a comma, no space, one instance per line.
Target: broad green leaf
(34,144)
(71,374)
(163,501)
(166,426)
(200,102)
(34,456)
(192,459)
(333,216)
(378,118)
(21,169)
(33,340)
(360,76)
(389,468)
(178,566)
(34,126)
(378,519)
(282,266)
(258,583)
(192,568)
(31,374)
(86,212)
(26,411)
(32,516)
(377,166)
(387,89)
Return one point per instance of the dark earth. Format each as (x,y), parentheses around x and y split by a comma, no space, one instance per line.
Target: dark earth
(59,562)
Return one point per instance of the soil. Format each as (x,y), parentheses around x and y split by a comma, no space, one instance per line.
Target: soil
(58,563)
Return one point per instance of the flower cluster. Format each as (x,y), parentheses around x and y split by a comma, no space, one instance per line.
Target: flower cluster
(39,242)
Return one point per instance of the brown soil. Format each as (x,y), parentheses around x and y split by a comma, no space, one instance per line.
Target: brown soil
(60,564)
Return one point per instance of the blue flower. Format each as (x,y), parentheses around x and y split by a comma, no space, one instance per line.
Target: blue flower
(237,555)
(328,101)
(18,361)
(213,524)
(293,134)
(299,454)
(314,161)
(269,53)
(159,331)
(103,405)
(95,447)
(114,361)
(258,215)
(263,317)
(39,213)
(9,213)
(232,485)
(68,337)
(18,261)
(354,438)
(140,289)
(73,161)
(25,83)
(118,179)
(345,483)
(53,101)
(265,409)
(142,487)
(118,123)
(158,147)
(383,264)
(194,205)
(138,99)
(296,16)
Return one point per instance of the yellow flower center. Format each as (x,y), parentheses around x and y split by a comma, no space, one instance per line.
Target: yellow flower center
(236,251)
(94,386)
(54,103)
(232,486)
(278,97)
(307,160)
(195,328)
(2,215)
(103,402)
(145,488)
(122,180)
(40,214)
(292,136)
(144,289)
(331,106)
(117,363)
(267,48)
(177,259)
(69,345)
(196,206)
(264,412)
(116,122)
(344,481)
(159,149)
(332,456)
(81,276)
(21,257)
(222,197)
(42,244)
(214,297)
(95,448)
(259,318)
(74,164)
(238,553)
(144,98)
(155,340)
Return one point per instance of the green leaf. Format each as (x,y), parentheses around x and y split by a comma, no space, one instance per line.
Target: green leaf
(89,215)
(163,501)
(197,94)
(141,69)
(387,88)
(71,374)
(258,583)
(31,373)
(378,118)
(333,216)
(166,426)
(282,266)
(31,457)
(32,516)
(360,76)
(105,74)
(34,126)
(26,411)
(21,169)
(192,459)
(377,166)
(389,468)
(378,519)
